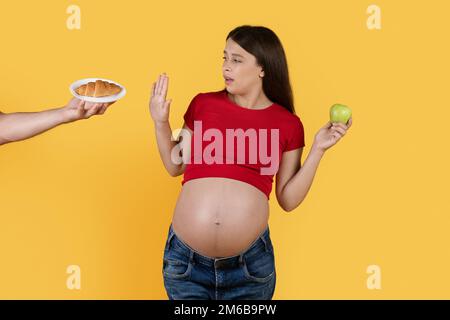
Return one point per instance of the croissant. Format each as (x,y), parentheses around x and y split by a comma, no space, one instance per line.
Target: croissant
(99,88)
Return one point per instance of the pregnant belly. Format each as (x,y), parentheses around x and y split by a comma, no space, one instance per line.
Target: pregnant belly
(220,217)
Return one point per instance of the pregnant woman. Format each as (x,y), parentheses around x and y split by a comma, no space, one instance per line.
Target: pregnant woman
(232,144)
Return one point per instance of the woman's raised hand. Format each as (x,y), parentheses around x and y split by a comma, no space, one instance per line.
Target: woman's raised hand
(159,106)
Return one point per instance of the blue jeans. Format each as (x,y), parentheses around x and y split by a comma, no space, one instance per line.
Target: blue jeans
(188,275)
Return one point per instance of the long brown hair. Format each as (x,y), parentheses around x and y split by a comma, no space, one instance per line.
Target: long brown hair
(265,45)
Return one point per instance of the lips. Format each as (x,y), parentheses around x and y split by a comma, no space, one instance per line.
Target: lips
(228,80)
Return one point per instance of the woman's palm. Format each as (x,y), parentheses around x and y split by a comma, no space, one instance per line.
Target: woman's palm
(159,107)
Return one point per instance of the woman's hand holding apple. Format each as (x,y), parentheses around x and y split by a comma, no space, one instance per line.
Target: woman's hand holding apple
(330,134)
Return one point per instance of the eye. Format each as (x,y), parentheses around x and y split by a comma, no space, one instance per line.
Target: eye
(235,60)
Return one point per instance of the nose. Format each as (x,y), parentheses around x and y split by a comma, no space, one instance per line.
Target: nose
(226,66)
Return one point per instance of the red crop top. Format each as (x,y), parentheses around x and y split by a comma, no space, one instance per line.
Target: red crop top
(234,142)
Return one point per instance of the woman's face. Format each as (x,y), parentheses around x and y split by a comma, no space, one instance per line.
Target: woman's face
(240,70)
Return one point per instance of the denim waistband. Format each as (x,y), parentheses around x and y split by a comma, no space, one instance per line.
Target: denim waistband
(262,242)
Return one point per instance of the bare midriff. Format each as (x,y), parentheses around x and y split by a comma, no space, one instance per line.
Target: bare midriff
(220,217)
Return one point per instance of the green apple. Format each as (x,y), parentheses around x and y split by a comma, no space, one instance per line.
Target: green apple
(340,113)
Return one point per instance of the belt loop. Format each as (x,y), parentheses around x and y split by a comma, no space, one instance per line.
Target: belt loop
(169,239)
(191,256)
(265,237)
(266,246)
(241,259)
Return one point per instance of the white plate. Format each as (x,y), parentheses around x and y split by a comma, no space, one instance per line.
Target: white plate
(112,98)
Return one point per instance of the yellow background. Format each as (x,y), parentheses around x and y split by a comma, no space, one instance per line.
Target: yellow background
(95,193)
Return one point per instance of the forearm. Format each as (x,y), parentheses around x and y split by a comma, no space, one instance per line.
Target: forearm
(23,125)
(165,146)
(298,186)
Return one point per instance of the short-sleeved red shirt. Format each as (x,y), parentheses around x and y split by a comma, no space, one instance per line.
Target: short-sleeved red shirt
(235,142)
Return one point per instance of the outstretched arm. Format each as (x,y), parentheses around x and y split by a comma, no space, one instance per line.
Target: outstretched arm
(23,125)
